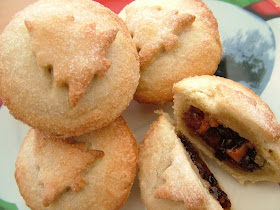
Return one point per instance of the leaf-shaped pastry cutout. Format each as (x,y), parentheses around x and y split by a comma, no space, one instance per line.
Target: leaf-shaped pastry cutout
(61,165)
(76,52)
(181,182)
(153,28)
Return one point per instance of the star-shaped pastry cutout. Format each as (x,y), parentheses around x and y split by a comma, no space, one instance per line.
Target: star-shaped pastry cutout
(153,28)
(75,52)
(61,164)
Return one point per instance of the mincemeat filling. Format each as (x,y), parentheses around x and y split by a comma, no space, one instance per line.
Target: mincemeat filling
(227,144)
(206,174)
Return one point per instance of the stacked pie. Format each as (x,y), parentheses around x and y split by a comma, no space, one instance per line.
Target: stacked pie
(69,68)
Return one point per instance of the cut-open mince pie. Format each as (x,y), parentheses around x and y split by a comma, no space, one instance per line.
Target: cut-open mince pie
(173,174)
(230,124)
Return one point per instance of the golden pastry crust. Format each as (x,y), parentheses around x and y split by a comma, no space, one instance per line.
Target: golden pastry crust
(167,177)
(161,25)
(68,161)
(63,85)
(239,108)
(93,171)
(73,63)
(190,29)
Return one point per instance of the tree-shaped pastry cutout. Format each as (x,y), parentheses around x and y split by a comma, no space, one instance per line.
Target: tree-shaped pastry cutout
(181,182)
(61,164)
(153,28)
(75,52)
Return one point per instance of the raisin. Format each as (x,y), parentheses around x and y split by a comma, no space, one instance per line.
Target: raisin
(248,160)
(220,196)
(193,118)
(229,143)
(221,154)
(212,180)
(252,154)
(227,132)
(212,138)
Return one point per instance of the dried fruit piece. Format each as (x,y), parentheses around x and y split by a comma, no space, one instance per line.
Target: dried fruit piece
(237,153)
(206,174)
(227,144)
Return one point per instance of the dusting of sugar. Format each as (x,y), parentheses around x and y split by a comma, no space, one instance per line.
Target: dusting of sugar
(58,172)
(75,52)
(153,27)
(38,101)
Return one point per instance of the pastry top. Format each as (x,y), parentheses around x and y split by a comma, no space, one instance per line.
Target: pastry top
(168,179)
(67,67)
(153,28)
(66,47)
(93,171)
(175,39)
(237,107)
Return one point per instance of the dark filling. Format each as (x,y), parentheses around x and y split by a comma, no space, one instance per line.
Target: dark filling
(206,174)
(227,144)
